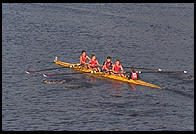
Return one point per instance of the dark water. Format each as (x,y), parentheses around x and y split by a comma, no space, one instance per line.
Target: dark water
(143,35)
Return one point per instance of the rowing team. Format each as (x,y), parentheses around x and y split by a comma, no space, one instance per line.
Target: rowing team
(107,66)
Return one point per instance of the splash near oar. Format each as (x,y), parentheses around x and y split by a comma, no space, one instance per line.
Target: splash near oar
(53,81)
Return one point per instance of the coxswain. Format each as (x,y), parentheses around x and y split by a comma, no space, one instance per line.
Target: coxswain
(117,67)
(93,63)
(107,65)
(83,59)
(133,74)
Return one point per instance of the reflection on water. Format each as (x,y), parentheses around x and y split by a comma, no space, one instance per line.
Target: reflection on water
(116,89)
(132,86)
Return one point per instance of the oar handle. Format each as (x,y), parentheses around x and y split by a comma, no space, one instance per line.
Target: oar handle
(120,73)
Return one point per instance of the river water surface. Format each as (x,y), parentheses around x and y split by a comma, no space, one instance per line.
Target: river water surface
(140,35)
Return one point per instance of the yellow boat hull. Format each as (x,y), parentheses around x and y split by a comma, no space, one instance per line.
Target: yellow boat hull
(78,68)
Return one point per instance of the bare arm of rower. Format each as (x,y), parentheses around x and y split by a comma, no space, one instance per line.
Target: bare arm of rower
(88,58)
(104,66)
(122,70)
(98,63)
(81,60)
(89,63)
(112,68)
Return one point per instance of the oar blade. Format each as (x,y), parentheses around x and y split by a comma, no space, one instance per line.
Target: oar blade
(30,72)
(48,75)
(45,75)
(185,72)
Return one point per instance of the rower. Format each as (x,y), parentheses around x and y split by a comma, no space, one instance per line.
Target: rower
(133,74)
(117,67)
(107,65)
(93,63)
(83,58)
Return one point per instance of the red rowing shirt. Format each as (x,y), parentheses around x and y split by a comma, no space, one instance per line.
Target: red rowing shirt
(108,64)
(93,63)
(83,59)
(116,68)
(134,76)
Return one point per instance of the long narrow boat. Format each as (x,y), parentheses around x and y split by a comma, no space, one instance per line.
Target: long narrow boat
(78,68)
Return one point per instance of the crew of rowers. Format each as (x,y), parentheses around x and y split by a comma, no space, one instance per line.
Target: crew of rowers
(108,67)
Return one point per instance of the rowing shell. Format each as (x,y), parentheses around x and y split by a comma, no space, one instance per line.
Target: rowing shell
(78,68)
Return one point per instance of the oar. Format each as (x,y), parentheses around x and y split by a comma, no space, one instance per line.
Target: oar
(181,71)
(155,69)
(50,75)
(117,73)
(35,71)
(162,71)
